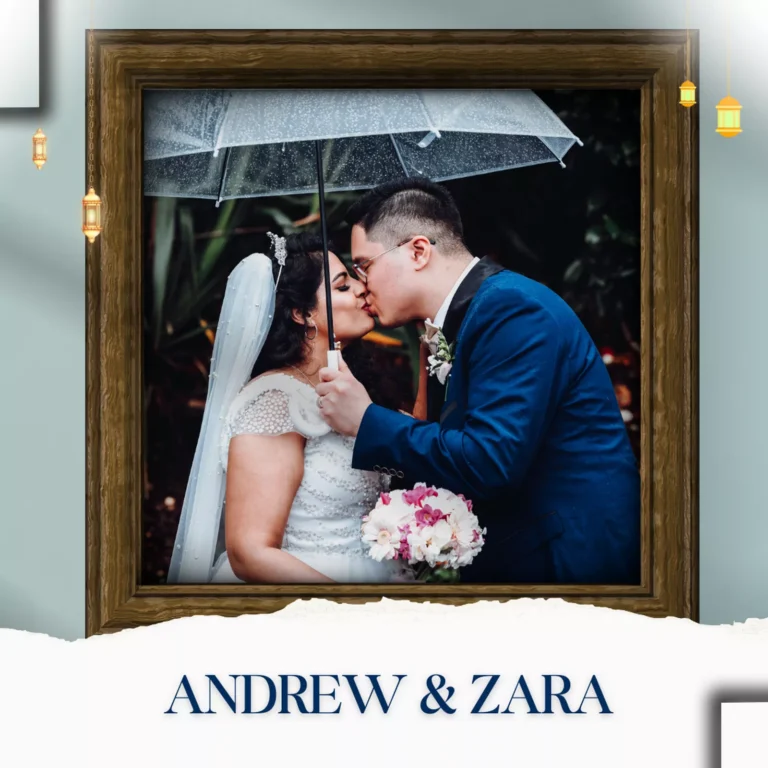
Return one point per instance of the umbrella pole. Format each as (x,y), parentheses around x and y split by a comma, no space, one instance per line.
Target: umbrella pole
(333,355)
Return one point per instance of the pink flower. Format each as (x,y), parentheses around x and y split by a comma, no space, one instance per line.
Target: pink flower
(385,498)
(418,494)
(475,535)
(468,502)
(428,516)
(404,550)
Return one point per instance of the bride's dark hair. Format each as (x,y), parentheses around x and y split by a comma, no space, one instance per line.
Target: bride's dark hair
(287,342)
(302,275)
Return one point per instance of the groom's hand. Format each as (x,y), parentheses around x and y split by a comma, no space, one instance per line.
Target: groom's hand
(342,399)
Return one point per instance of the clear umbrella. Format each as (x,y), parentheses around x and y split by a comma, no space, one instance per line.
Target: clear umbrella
(269,138)
(255,143)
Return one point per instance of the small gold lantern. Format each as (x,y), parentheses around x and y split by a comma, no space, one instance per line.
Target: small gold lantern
(39,149)
(91,215)
(729,117)
(687,94)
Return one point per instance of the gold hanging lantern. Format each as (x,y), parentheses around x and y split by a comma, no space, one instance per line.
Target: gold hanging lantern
(729,117)
(39,148)
(91,215)
(687,94)
(92,225)
(687,89)
(728,110)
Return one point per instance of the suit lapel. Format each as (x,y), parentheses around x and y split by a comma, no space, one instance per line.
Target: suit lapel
(464,295)
(453,320)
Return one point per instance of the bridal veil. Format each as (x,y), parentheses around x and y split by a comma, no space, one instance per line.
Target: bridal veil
(245,320)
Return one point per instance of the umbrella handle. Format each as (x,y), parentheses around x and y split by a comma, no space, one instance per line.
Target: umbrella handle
(333,359)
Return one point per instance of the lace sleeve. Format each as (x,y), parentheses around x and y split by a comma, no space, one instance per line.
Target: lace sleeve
(266,414)
(273,405)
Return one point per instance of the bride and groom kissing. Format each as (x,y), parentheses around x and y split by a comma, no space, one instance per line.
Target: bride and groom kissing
(515,411)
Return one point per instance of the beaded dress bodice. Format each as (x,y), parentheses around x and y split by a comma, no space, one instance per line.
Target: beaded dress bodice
(325,517)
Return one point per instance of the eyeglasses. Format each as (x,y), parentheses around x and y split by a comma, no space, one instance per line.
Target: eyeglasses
(361,267)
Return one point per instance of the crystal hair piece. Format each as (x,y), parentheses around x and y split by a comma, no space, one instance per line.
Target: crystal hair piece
(280,253)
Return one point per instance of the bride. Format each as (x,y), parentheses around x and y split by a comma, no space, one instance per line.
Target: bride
(272,497)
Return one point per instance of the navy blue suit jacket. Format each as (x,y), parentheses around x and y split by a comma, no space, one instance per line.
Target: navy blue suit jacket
(530,430)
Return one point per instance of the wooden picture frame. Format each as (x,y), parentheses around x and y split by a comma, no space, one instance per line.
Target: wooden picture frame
(126,62)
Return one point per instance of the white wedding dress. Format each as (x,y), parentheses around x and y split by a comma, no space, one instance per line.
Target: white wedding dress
(323,527)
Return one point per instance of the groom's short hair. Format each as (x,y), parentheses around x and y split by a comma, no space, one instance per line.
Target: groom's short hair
(394,211)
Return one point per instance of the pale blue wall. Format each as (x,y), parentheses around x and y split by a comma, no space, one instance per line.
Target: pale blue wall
(42,297)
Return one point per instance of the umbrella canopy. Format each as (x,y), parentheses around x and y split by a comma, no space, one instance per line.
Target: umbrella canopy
(257,143)
(254,143)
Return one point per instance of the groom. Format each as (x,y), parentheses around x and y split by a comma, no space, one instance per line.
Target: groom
(526,423)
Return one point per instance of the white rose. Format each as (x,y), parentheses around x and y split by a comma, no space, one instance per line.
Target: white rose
(443,371)
(462,528)
(465,558)
(430,336)
(428,543)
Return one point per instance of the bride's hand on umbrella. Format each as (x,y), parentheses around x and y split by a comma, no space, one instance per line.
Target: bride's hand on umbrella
(342,399)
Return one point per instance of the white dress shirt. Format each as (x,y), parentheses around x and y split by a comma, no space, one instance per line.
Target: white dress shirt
(443,311)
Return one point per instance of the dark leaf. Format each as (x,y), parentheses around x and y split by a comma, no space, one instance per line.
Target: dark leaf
(611,227)
(165,208)
(227,220)
(574,271)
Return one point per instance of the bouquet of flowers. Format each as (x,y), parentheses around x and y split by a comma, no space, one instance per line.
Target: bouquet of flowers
(427,527)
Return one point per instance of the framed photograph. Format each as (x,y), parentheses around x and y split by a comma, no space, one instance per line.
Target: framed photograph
(498,231)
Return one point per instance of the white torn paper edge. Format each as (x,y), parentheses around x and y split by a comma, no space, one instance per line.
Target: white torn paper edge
(103,700)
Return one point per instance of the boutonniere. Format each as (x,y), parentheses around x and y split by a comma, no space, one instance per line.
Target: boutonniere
(440,352)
